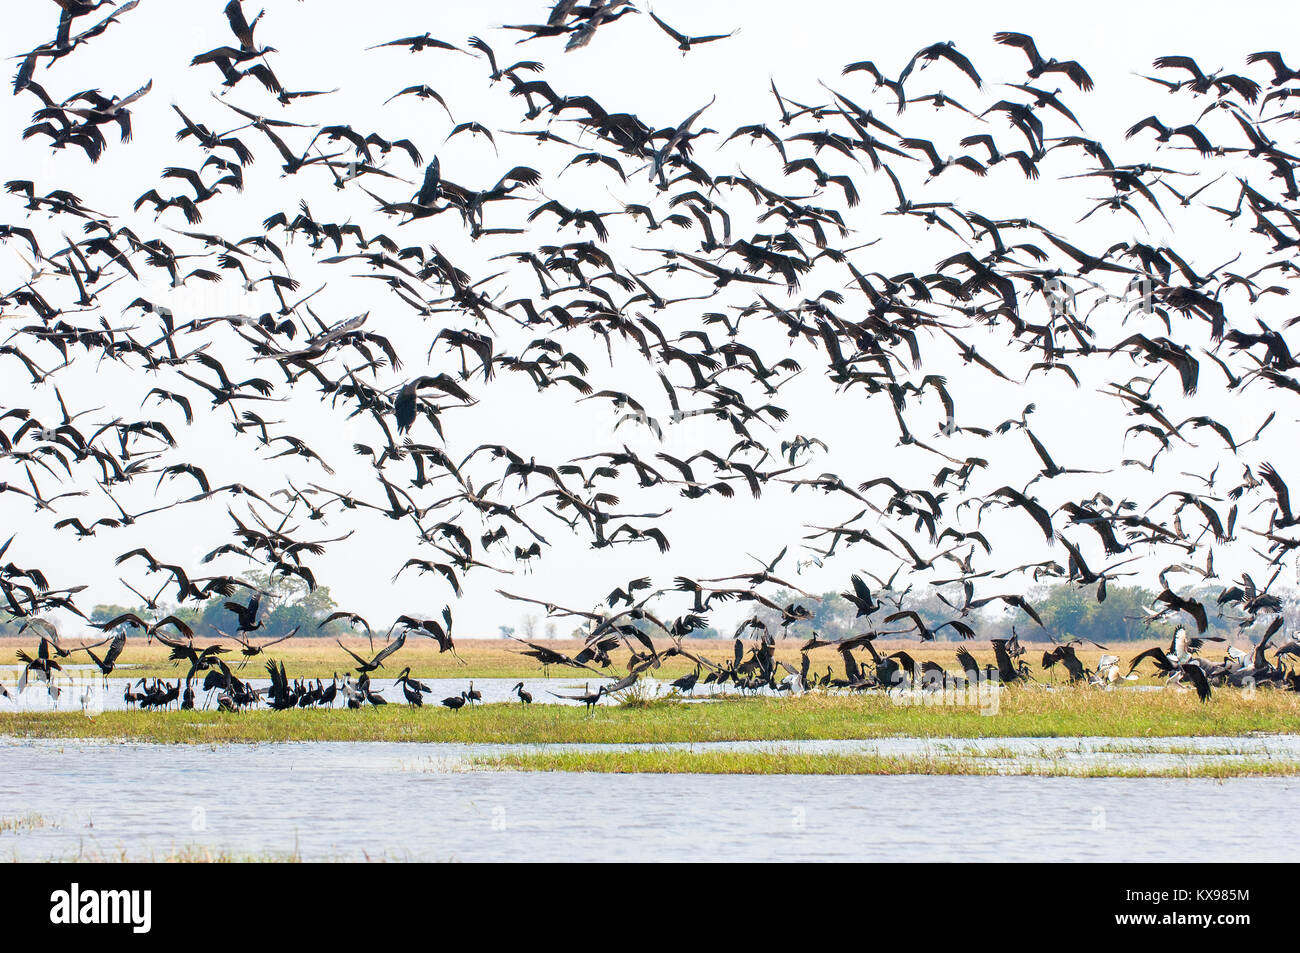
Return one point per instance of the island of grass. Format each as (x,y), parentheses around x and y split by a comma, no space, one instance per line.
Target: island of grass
(678,761)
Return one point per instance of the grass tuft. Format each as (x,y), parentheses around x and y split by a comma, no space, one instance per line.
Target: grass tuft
(676,761)
(27,822)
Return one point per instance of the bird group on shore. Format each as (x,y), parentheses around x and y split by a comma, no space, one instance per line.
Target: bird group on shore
(695,296)
(750,670)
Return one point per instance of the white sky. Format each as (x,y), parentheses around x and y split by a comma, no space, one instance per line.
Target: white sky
(631,66)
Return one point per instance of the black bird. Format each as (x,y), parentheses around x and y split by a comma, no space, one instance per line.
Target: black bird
(363,666)
(1038,66)
(412,689)
(417,44)
(41,664)
(687,682)
(246,614)
(1196,675)
(1282,73)
(1065,655)
(860,597)
(587,696)
(686,43)
(455,702)
(109,661)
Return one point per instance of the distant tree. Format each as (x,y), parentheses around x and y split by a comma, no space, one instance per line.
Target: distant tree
(103,613)
(286,604)
(1065,611)
(1072,612)
(708,632)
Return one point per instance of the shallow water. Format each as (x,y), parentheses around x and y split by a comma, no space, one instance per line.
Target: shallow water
(88,691)
(418,802)
(81,688)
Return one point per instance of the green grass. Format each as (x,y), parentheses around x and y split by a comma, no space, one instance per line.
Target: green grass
(1023,712)
(674,761)
(1221,751)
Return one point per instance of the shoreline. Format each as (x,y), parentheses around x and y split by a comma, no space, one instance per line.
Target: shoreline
(1021,712)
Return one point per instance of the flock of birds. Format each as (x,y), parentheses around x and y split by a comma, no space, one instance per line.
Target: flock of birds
(230,693)
(565,283)
(753,671)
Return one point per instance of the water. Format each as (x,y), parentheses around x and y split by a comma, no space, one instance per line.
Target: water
(88,690)
(397,801)
(81,687)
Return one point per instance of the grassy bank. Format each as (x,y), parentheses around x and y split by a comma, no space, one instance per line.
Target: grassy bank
(321,658)
(1023,712)
(783,762)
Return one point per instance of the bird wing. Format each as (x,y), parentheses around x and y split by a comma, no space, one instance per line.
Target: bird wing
(389,649)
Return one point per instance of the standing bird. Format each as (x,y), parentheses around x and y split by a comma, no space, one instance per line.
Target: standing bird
(588,697)
(455,702)
(688,682)
(412,689)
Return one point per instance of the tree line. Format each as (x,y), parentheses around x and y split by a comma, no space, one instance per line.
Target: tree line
(1067,612)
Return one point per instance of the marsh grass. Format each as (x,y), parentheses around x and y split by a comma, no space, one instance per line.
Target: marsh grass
(196,854)
(199,854)
(676,761)
(183,854)
(1218,751)
(1023,712)
(641,697)
(1106,748)
(30,821)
